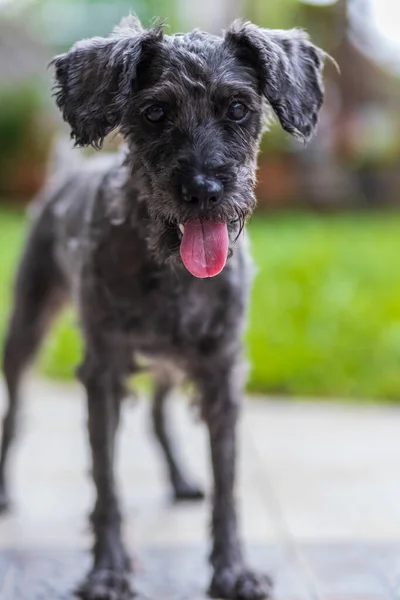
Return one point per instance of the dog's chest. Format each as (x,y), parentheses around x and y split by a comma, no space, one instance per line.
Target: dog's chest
(162,309)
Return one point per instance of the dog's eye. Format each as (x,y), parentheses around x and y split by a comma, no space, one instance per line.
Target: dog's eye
(237,111)
(155,114)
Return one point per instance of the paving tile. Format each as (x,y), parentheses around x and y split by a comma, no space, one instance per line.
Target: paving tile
(161,574)
(318,502)
(344,570)
(182,574)
(334,469)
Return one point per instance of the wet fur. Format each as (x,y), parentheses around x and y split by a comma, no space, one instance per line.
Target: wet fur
(105,234)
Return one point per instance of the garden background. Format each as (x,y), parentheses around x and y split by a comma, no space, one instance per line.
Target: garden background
(325,314)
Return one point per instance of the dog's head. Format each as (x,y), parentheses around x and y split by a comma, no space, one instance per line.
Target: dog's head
(192,108)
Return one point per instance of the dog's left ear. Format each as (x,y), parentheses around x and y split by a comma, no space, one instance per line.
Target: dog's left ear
(95,78)
(289,68)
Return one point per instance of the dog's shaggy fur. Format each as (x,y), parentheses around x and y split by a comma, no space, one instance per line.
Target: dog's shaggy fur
(192,109)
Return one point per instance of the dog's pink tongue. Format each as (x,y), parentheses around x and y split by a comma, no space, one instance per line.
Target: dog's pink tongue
(204,247)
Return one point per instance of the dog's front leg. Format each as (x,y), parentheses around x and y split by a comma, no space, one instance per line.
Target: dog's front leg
(109,577)
(221,394)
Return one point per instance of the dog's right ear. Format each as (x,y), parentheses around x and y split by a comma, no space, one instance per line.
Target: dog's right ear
(94,79)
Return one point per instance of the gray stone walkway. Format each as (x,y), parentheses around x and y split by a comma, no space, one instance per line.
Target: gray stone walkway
(319,495)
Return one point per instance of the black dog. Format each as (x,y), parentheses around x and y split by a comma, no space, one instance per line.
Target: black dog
(150,247)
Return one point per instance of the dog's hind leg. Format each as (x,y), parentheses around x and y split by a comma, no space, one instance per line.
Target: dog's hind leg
(183,488)
(39,294)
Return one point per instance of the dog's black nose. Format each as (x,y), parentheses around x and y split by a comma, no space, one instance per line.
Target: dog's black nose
(202,190)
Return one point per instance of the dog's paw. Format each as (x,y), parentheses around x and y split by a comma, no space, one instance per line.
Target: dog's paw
(104,584)
(228,584)
(183,491)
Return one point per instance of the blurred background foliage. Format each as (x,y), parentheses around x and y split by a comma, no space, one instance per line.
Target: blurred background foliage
(325,316)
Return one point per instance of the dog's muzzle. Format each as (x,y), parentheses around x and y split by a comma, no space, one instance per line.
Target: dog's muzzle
(205,243)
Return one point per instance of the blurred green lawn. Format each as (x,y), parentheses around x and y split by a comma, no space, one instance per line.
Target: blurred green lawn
(325,316)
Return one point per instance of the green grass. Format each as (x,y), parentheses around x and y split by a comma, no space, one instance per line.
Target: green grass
(325,315)
(12,230)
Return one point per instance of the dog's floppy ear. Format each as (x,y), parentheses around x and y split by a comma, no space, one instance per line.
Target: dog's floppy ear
(94,79)
(289,68)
